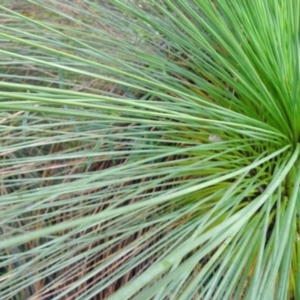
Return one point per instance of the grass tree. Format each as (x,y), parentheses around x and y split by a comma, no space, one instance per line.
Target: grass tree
(150,149)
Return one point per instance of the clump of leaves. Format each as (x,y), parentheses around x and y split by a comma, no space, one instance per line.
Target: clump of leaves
(150,150)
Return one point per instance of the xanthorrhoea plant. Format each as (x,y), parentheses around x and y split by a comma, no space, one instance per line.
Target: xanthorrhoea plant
(150,150)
